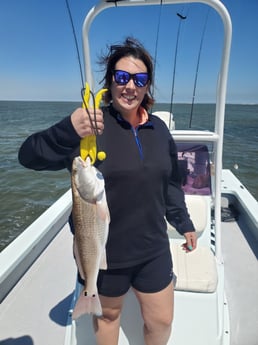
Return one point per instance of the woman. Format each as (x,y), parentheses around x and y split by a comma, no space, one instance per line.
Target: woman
(142,186)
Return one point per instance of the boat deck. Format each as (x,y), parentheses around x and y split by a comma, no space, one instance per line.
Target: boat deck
(35,311)
(241,282)
(39,316)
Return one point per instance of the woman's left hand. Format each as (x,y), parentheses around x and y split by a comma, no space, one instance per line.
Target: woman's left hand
(191,241)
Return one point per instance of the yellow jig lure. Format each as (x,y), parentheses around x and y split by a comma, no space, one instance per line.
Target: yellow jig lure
(88,145)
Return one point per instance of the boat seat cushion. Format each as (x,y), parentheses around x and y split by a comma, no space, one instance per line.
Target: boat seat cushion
(197,207)
(194,271)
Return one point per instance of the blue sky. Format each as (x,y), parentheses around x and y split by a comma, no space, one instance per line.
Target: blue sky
(38,60)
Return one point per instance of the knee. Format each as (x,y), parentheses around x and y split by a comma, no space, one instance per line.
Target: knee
(109,320)
(154,323)
(110,315)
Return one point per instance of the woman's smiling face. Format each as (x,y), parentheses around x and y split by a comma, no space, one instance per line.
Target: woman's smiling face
(127,98)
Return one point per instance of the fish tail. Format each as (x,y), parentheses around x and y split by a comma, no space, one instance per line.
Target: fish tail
(87,305)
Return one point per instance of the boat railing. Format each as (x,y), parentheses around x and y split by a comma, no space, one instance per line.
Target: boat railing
(194,136)
(19,255)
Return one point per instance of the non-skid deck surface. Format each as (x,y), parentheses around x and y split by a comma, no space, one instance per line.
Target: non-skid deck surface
(241,282)
(35,311)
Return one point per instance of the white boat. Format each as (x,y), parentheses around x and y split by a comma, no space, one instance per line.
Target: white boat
(216,285)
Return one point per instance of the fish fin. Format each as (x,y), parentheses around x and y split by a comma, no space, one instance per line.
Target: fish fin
(103,261)
(87,305)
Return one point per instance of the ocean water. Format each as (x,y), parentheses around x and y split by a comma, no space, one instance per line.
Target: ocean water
(25,194)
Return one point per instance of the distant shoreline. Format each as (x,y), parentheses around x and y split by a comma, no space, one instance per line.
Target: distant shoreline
(156,103)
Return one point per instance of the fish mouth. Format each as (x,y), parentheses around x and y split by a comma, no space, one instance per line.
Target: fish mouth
(83,162)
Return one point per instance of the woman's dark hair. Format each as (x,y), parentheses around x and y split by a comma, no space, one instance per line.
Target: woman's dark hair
(130,47)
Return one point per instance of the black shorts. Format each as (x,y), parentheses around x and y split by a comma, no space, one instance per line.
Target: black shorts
(151,276)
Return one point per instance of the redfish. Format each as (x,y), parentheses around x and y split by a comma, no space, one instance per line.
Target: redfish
(91,222)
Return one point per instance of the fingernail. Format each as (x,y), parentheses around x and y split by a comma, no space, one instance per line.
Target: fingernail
(190,247)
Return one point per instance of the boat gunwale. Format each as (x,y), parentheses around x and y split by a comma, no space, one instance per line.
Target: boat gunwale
(20,254)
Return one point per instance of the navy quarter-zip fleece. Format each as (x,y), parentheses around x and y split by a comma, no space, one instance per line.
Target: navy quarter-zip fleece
(142,181)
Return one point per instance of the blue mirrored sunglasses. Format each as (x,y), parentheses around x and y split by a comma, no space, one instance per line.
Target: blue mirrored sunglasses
(123,77)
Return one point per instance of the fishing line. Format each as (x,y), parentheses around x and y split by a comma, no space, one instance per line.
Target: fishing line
(93,122)
(75,40)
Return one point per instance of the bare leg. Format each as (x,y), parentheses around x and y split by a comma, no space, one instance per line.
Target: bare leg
(107,326)
(157,312)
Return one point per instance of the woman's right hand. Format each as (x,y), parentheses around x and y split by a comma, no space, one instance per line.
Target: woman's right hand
(82,124)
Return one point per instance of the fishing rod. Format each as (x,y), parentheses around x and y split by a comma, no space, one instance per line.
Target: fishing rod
(156,47)
(181,17)
(197,67)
